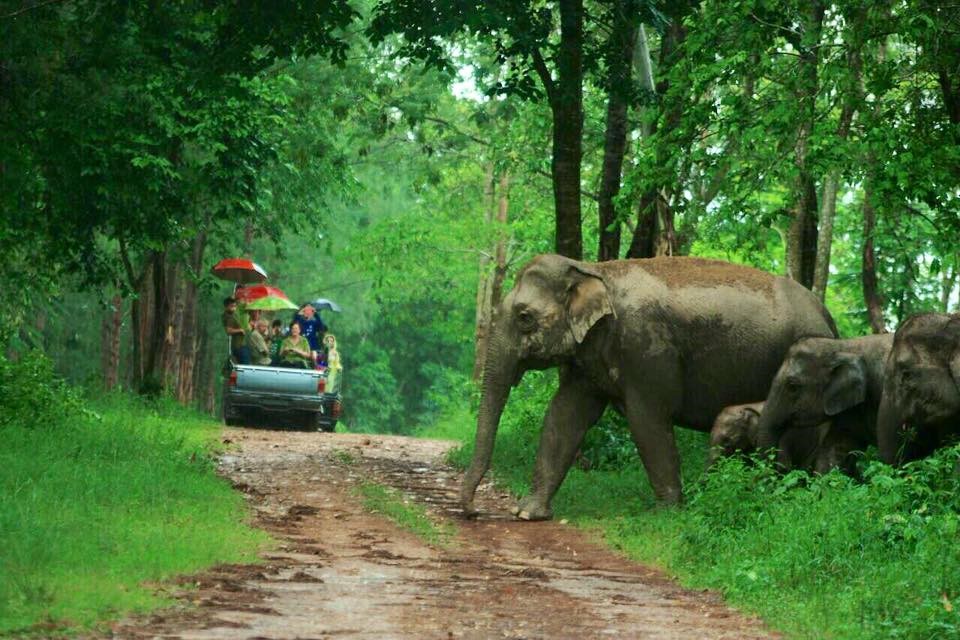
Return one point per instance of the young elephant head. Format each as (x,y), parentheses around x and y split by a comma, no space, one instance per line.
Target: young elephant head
(819,379)
(921,387)
(735,429)
(540,323)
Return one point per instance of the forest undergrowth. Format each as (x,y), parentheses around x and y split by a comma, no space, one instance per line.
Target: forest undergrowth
(102,497)
(814,556)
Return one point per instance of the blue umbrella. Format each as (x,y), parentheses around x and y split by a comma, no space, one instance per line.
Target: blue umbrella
(324,303)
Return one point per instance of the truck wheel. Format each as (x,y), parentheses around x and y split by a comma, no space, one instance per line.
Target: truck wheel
(322,423)
(229,416)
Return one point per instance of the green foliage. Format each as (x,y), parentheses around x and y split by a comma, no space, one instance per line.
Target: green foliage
(405,514)
(374,399)
(31,396)
(814,556)
(99,498)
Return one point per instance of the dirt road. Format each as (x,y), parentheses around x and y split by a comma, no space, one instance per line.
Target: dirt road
(345,573)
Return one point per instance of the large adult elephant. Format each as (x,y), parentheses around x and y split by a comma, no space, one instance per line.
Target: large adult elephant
(823,380)
(666,340)
(921,388)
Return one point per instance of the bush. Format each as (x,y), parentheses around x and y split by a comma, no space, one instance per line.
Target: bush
(31,394)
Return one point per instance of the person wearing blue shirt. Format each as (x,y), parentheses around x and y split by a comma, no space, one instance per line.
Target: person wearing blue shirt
(311,326)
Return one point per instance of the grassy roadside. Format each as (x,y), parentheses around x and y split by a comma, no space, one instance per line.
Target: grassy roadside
(405,514)
(99,498)
(822,557)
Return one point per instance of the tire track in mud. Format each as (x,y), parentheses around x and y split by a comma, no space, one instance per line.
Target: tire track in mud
(341,572)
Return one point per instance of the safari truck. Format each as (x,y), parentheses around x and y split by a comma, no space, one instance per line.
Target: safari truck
(300,398)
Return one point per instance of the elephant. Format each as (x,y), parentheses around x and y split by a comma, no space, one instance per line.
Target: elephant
(736,430)
(667,340)
(921,388)
(825,380)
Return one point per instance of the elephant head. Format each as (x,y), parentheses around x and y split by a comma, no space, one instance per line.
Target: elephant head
(735,429)
(921,384)
(539,324)
(817,380)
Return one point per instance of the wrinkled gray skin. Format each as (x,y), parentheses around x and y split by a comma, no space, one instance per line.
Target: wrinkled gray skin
(665,340)
(921,388)
(736,429)
(823,380)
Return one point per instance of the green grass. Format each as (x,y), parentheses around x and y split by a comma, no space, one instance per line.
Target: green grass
(99,499)
(816,557)
(405,514)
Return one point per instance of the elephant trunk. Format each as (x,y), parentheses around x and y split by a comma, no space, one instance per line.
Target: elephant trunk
(499,374)
(769,428)
(888,427)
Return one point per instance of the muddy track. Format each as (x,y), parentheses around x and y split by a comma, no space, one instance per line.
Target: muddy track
(342,572)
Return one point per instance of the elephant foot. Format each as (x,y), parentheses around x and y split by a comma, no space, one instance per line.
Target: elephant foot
(529,510)
(669,497)
(469,511)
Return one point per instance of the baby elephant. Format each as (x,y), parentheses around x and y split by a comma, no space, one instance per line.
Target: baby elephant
(736,430)
(821,380)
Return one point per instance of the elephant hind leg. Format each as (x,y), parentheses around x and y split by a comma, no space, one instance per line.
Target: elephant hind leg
(574,408)
(652,431)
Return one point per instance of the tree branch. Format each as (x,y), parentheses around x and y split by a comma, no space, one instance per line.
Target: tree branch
(21,10)
(540,66)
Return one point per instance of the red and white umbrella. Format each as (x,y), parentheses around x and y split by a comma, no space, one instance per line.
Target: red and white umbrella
(240,270)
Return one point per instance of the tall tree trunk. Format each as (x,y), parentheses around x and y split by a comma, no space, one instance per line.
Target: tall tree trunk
(500,254)
(173,323)
(189,338)
(207,390)
(623,40)
(566,102)
(111,324)
(828,200)
(868,260)
(644,242)
(654,233)
(142,317)
(493,265)
(670,49)
(484,280)
(948,284)
(868,269)
(802,235)
(155,334)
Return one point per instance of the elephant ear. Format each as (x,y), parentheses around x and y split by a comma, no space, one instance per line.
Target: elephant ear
(953,326)
(847,386)
(751,420)
(587,301)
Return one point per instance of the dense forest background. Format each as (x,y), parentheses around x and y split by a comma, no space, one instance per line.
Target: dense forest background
(405,157)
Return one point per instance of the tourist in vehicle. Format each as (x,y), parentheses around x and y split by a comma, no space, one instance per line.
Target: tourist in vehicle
(233,327)
(311,326)
(295,350)
(276,339)
(259,349)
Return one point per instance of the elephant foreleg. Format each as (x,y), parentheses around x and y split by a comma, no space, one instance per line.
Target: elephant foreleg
(652,431)
(574,409)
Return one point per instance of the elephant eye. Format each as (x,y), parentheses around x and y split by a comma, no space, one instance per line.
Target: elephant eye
(526,320)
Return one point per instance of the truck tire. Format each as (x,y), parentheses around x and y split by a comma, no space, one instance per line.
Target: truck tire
(323,423)
(229,417)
